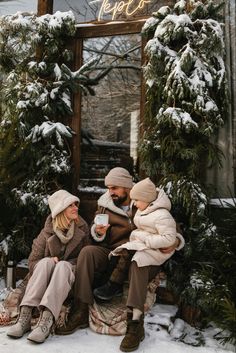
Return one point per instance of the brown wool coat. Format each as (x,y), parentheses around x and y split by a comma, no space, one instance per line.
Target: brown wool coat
(47,244)
(121,225)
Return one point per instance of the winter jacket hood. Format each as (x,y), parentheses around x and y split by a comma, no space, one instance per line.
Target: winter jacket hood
(106,201)
(162,201)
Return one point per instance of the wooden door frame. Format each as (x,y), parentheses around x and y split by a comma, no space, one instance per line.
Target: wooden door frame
(44,7)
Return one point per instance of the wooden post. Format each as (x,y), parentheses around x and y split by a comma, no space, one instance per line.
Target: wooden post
(76,120)
(141,172)
(44,7)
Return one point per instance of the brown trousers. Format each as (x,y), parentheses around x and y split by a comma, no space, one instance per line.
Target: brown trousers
(121,266)
(93,258)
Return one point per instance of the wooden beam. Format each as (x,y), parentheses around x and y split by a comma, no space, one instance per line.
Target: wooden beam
(93,30)
(76,120)
(44,7)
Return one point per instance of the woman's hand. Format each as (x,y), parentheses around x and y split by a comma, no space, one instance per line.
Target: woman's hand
(101,230)
(170,248)
(55,259)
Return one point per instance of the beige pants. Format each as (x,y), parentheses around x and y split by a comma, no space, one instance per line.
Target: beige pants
(49,285)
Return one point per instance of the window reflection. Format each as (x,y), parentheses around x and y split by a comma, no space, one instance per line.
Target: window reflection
(110,119)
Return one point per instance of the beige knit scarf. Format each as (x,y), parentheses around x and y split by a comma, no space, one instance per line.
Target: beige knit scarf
(65,236)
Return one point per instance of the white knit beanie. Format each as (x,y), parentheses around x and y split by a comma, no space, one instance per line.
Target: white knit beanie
(60,200)
(119,177)
(144,190)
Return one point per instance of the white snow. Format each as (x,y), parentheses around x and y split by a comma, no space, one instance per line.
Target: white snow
(57,72)
(161,336)
(223,202)
(178,117)
(92,189)
(150,22)
(176,21)
(56,20)
(47,128)
(163,333)
(24,197)
(180,5)
(4,249)
(23,104)
(163,10)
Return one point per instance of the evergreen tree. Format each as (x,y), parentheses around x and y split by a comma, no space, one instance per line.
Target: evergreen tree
(34,139)
(186,105)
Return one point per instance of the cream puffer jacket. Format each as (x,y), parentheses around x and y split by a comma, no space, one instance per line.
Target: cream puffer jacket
(156,228)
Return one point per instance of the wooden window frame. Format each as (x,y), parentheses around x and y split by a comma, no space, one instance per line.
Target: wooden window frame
(95,31)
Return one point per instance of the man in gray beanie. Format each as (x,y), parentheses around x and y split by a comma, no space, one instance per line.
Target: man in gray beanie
(116,204)
(119,177)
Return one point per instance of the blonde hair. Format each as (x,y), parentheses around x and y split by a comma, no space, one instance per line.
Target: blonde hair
(61,221)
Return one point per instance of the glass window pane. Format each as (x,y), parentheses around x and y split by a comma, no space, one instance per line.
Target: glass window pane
(110,118)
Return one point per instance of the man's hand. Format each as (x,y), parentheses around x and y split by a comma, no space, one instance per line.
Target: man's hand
(101,230)
(170,248)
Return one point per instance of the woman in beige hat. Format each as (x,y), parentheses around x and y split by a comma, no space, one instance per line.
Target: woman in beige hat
(51,266)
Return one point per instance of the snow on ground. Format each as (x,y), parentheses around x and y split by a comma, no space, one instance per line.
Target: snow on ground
(86,341)
(162,336)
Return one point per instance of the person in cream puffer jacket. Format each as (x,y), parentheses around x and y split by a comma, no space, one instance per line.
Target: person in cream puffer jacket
(156,228)
(116,203)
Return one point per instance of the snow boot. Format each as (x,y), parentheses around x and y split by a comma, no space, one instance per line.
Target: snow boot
(78,318)
(108,291)
(134,334)
(23,323)
(43,328)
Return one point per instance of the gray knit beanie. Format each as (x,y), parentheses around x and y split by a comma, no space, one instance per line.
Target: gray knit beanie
(119,177)
(60,200)
(144,190)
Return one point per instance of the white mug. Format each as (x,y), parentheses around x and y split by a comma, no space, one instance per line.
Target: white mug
(101,219)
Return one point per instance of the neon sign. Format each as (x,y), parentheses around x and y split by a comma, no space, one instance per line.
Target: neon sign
(128,7)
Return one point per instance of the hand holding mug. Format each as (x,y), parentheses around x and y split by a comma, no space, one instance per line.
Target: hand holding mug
(101,230)
(101,221)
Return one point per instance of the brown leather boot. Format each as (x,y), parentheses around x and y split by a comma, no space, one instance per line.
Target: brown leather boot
(78,318)
(134,334)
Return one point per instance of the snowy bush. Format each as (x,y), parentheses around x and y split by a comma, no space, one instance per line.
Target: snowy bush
(36,91)
(187,99)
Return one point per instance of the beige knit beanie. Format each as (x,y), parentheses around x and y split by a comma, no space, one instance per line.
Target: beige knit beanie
(119,177)
(60,200)
(144,190)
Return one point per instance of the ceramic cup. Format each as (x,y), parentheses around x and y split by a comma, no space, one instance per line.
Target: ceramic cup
(101,219)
